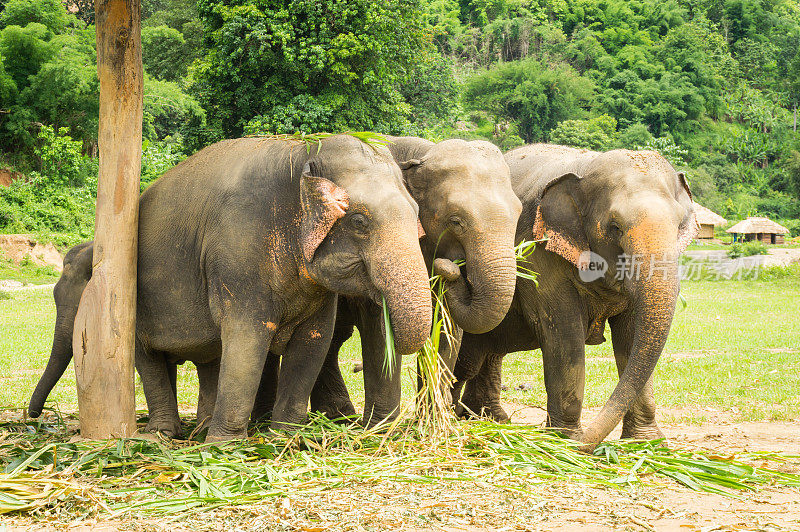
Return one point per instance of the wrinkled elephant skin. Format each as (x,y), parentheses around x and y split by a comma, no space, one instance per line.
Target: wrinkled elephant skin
(468,212)
(242,250)
(630,214)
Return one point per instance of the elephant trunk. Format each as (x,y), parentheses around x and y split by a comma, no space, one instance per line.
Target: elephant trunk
(401,278)
(480,302)
(654,295)
(60,356)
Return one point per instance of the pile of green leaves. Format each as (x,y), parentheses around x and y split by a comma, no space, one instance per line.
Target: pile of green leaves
(125,477)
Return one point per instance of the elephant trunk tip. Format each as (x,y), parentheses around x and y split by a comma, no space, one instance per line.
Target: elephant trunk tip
(35,408)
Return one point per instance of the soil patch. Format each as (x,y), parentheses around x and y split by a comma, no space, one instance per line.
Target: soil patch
(7,177)
(18,247)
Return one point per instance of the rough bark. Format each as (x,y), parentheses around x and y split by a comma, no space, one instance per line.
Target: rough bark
(103,340)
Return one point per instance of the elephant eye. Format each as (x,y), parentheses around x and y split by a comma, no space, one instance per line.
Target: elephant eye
(359,222)
(614,227)
(456,224)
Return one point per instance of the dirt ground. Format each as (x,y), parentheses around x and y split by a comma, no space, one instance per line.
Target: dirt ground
(479,506)
(7,177)
(17,247)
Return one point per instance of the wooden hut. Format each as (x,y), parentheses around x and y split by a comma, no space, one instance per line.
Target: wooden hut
(707,219)
(759,228)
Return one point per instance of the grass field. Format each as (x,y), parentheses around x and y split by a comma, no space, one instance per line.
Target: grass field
(27,272)
(732,357)
(735,349)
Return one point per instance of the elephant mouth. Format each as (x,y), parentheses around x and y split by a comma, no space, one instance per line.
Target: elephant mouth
(450,270)
(376,297)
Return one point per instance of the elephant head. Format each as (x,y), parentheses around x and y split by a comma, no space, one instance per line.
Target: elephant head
(67,293)
(469,213)
(359,234)
(635,211)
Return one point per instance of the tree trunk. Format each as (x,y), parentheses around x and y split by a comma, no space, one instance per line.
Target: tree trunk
(103,340)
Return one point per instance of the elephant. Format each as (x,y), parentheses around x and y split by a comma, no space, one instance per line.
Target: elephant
(243,248)
(615,224)
(468,212)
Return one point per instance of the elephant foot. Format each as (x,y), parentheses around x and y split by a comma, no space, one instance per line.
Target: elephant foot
(642,432)
(573,431)
(375,418)
(288,426)
(168,427)
(495,412)
(340,411)
(220,436)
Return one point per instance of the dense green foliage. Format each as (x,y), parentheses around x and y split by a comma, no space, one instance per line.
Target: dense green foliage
(711,84)
(717,81)
(310,65)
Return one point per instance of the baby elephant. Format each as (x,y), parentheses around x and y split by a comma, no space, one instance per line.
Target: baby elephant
(242,249)
(615,225)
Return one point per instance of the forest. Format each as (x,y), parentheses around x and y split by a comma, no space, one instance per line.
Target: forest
(713,85)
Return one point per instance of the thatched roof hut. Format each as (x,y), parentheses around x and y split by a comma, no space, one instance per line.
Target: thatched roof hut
(707,219)
(760,228)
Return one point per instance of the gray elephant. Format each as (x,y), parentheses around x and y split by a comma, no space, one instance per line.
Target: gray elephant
(616,223)
(469,213)
(242,249)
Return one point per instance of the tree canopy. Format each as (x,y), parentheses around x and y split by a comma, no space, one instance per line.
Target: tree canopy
(712,84)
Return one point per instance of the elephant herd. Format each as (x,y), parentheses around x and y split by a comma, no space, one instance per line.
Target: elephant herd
(258,256)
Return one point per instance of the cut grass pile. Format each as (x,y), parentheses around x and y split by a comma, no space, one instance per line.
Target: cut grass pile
(44,473)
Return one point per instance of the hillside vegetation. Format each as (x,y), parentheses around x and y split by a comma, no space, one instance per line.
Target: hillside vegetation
(712,84)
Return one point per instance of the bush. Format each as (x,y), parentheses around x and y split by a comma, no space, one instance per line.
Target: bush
(747,249)
(157,158)
(165,54)
(59,197)
(168,111)
(793,225)
(61,162)
(594,134)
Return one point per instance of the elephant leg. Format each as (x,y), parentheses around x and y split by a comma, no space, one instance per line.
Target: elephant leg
(471,356)
(330,396)
(267,389)
(300,366)
(208,377)
(562,336)
(382,389)
(158,381)
(245,343)
(640,421)
(482,392)
(448,353)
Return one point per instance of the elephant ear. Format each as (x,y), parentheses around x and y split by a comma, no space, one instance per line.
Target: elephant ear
(412,182)
(689,227)
(559,218)
(322,203)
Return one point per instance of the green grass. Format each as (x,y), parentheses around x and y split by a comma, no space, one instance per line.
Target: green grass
(27,272)
(725,247)
(727,348)
(735,348)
